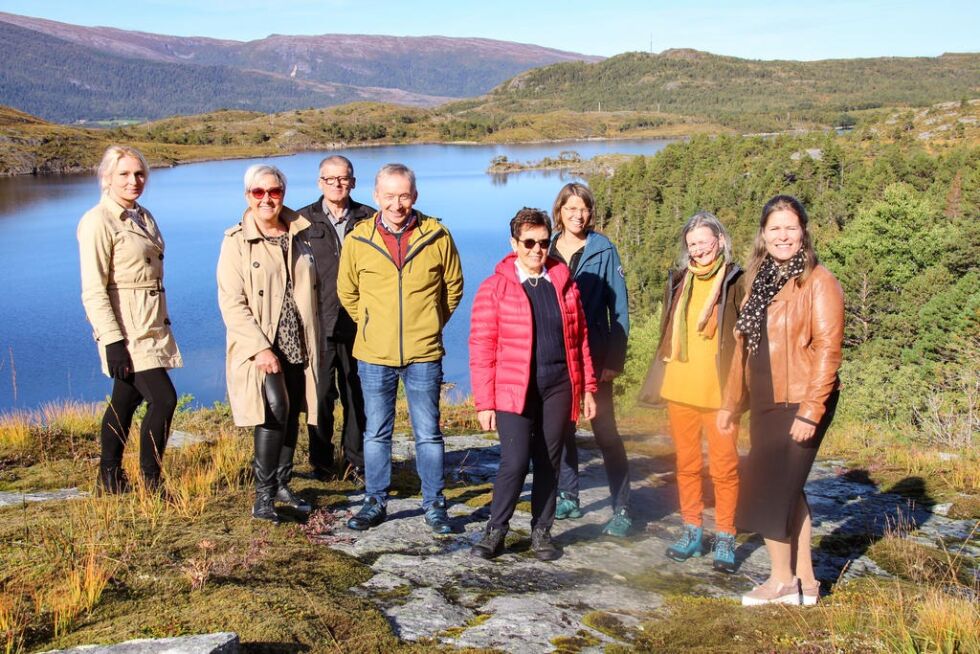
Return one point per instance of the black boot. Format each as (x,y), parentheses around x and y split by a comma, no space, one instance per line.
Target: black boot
(268,442)
(542,546)
(284,471)
(491,544)
(112,479)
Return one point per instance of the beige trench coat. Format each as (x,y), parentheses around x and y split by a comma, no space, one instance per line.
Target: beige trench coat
(251,285)
(122,286)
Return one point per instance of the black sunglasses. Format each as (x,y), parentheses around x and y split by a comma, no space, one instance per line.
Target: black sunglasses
(529,243)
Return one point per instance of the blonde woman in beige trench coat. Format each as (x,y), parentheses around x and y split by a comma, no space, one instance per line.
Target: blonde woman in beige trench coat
(270,312)
(121,254)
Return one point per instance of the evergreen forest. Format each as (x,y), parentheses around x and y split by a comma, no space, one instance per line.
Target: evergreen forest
(895,221)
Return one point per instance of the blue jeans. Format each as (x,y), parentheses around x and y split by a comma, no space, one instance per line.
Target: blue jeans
(423,382)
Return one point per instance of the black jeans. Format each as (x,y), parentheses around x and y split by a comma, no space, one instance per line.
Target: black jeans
(275,439)
(338,378)
(613,453)
(155,387)
(534,435)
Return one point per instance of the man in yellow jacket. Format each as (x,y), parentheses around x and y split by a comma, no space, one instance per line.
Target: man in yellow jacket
(400,279)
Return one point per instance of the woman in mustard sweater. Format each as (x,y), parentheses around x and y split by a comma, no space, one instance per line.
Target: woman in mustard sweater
(688,372)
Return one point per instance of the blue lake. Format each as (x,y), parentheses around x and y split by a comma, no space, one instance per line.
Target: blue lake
(46,348)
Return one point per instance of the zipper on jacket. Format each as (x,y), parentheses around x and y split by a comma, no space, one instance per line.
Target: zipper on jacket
(401,324)
(786,353)
(367,317)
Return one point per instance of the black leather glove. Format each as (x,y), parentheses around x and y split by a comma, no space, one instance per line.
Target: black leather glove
(117,358)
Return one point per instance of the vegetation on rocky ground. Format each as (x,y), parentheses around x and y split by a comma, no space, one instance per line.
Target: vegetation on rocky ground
(894,209)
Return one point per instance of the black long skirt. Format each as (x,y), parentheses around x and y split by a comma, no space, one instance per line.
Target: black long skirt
(776,469)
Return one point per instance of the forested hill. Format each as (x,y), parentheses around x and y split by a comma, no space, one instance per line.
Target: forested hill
(748,95)
(67,73)
(894,219)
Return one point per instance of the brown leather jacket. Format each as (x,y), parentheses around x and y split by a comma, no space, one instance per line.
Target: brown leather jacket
(806,332)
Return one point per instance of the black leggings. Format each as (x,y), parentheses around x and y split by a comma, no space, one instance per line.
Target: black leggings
(275,439)
(534,435)
(610,444)
(155,387)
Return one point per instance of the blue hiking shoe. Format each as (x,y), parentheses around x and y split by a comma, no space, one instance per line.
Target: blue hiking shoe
(567,506)
(688,545)
(724,551)
(619,525)
(437,518)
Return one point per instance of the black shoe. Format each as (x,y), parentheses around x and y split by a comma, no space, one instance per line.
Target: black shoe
(112,480)
(542,546)
(372,514)
(322,474)
(491,544)
(264,508)
(291,499)
(437,518)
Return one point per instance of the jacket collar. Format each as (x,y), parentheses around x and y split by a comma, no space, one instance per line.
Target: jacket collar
(294,222)
(595,243)
(118,211)
(558,272)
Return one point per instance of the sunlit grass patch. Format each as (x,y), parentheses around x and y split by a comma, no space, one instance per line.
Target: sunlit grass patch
(15,431)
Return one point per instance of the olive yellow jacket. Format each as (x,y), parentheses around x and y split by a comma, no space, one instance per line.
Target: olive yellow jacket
(252,279)
(400,313)
(122,285)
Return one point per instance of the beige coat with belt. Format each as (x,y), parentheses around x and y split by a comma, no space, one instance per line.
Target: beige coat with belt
(122,286)
(252,280)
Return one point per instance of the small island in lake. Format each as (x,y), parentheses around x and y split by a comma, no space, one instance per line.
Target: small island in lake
(567,160)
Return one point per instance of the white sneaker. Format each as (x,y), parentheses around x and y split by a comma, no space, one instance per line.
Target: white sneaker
(773,592)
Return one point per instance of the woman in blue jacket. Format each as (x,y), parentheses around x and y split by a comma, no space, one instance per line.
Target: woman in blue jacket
(598,272)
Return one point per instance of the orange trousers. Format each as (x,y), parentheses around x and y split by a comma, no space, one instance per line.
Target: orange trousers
(686,426)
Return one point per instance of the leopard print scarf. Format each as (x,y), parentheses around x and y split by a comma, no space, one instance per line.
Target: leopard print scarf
(766,284)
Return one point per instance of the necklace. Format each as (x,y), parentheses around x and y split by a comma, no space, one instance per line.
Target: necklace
(533,281)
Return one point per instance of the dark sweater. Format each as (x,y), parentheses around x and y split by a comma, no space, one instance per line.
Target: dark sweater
(549,339)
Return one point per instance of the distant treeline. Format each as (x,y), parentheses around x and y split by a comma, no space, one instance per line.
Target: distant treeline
(900,228)
(743,94)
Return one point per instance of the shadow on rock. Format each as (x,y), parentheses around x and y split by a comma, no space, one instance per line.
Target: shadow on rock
(866,514)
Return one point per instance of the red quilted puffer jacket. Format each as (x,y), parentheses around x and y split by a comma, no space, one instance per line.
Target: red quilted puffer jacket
(501,343)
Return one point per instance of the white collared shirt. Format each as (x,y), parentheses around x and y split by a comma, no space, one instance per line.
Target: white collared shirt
(524,276)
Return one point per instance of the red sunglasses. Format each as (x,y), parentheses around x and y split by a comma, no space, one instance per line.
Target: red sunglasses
(274,193)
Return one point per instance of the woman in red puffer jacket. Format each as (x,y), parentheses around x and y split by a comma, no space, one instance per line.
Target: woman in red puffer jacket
(530,369)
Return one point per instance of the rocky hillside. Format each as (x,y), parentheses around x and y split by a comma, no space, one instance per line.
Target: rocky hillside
(69,73)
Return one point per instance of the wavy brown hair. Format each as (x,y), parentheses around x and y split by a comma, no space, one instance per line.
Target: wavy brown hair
(759,252)
(579,191)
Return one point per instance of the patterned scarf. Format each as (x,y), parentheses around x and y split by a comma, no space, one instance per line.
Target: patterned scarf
(707,323)
(766,284)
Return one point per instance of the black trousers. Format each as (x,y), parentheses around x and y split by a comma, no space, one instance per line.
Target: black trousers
(153,386)
(275,439)
(610,444)
(338,379)
(535,435)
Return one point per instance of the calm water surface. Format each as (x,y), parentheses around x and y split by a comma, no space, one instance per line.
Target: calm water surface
(46,349)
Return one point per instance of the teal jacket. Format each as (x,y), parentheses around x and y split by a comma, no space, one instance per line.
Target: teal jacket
(601,282)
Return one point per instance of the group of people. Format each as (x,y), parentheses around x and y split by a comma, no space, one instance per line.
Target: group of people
(340,301)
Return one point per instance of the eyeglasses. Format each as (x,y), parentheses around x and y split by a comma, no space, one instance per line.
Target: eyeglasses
(275,193)
(701,246)
(404,198)
(337,181)
(571,211)
(529,243)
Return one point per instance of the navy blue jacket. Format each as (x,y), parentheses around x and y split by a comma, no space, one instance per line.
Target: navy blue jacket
(602,285)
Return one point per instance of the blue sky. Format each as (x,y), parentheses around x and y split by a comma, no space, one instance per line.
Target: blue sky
(757,29)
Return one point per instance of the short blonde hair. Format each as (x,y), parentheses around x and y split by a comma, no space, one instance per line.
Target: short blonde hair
(111,158)
(258,170)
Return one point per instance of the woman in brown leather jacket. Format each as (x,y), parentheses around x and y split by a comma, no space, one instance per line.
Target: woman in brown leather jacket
(789,336)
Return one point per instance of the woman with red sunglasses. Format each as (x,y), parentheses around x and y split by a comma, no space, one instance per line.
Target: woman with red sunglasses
(267,296)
